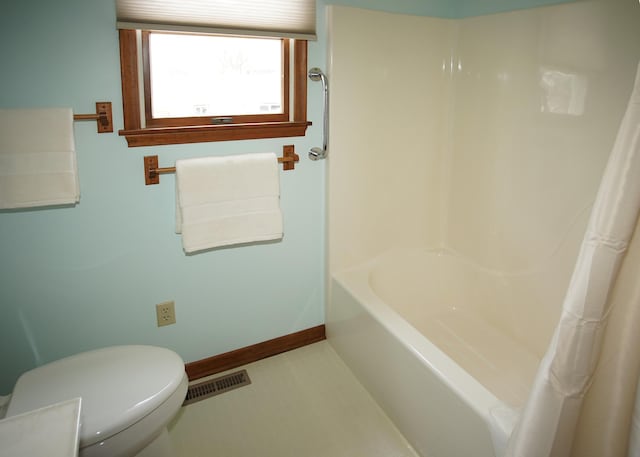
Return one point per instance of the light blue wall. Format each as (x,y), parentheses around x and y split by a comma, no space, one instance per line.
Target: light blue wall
(467,8)
(454,9)
(78,278)
(437,8)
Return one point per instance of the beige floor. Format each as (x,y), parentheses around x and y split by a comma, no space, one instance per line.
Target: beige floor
(304,403)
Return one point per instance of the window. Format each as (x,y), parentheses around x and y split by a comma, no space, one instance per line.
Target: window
(225,79)
(187,88)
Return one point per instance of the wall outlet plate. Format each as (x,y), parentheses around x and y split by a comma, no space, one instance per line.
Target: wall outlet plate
(166,313)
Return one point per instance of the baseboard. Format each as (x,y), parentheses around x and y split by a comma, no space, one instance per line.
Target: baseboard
(253,353)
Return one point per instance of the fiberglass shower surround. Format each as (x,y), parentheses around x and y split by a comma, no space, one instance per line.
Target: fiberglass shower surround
(498,160)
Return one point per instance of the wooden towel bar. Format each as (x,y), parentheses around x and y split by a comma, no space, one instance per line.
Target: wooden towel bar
(152,172)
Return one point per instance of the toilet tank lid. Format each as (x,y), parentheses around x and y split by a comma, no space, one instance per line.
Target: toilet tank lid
(119,385)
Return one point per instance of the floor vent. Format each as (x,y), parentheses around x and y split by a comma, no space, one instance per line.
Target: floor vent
(217,386)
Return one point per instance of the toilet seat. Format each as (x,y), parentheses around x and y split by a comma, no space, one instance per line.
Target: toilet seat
(118,385)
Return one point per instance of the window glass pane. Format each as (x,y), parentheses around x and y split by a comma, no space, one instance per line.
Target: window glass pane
(199,75)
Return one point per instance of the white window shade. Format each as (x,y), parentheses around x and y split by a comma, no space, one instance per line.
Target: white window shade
(274,18)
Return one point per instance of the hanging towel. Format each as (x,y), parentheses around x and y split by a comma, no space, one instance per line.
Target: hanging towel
(227,200)
(37,158)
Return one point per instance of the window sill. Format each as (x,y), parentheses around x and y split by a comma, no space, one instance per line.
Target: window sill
(208,133)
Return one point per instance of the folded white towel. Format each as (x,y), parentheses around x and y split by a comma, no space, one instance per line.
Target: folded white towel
(228,200)
(37,158)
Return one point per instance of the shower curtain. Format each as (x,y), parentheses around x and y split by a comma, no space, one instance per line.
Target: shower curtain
(551,421)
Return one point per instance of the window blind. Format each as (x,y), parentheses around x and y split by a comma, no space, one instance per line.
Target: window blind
(273,18)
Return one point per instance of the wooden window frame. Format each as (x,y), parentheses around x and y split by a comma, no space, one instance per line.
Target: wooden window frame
(181,130)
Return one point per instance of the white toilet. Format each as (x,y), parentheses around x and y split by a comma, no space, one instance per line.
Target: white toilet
(129,394)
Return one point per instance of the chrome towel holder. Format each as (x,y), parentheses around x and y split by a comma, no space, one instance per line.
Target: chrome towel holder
(315,74)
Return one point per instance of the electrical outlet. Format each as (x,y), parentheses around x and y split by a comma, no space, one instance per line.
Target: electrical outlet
(166,313)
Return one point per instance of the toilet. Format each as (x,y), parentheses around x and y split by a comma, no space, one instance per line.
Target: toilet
(129,394)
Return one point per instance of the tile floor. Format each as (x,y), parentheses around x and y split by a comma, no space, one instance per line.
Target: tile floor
(303,403)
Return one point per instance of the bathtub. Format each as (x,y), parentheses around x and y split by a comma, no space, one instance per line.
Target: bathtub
(445,347)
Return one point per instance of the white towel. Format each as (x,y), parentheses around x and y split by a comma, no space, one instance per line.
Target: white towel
(37,158)
(228,200)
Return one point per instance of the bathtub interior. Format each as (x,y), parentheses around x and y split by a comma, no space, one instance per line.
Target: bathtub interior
(468,312)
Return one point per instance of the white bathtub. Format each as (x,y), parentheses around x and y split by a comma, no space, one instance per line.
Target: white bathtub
(441,345)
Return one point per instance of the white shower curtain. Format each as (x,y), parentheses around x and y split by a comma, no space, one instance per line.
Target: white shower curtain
(549,421)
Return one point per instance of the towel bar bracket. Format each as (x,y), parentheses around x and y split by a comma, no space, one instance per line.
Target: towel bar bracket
(151,175)
(289,157)
(152,172)
(103,117)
